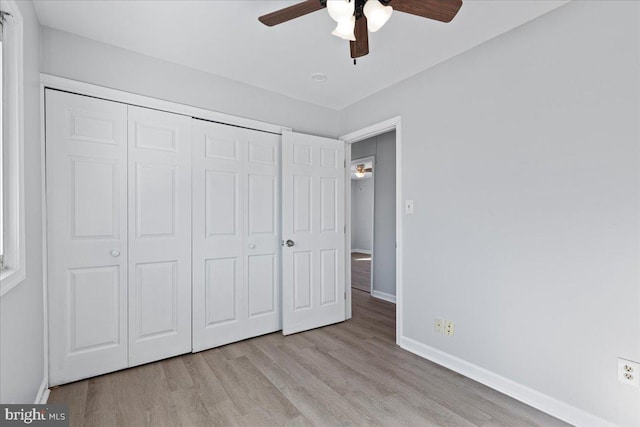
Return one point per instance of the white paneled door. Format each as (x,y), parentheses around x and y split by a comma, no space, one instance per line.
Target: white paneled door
(119,235)
(313,218)
(159,162)
(236,234)
(86,167)
(164,234)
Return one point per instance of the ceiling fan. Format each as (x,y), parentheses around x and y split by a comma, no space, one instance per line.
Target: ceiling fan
(361,171)
(356,18)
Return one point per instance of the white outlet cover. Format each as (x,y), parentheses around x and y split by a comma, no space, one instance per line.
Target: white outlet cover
(438,326)
(450,328)
(629,372)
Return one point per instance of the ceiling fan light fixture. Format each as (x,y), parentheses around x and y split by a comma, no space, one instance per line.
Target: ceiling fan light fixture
(360,171)
(346,29)
(377,14)
(340,9)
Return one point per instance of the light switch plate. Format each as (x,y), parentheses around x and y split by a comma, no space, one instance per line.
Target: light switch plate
(408,207)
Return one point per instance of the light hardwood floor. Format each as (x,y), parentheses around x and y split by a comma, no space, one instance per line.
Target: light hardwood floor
(361,271)
(351,373)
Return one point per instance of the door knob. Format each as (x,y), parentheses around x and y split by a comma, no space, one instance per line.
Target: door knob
(115,253)
(290,243)
(252,246)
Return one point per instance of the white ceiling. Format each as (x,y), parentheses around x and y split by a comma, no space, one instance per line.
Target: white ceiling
(224,37)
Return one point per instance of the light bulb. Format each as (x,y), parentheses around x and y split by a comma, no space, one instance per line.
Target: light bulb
(377,14)
(360,174)
(340,9)
(346,29)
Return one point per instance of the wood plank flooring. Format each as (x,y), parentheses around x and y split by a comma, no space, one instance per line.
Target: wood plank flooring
(361,271)
(349,374)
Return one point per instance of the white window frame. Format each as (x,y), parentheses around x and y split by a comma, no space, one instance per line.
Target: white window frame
(13,216)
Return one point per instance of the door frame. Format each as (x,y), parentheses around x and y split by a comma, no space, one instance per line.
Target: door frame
(372,159)
(376,129)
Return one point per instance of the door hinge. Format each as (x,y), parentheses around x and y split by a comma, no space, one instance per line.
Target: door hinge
(345,164)
(1,262)
(345,229)
(345,295)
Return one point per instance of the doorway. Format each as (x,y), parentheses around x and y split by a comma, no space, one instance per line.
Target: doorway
(373,216)
(362,221)
(393,125)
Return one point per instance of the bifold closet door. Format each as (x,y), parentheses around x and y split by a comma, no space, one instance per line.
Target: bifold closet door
(86,168)
(159,160)
(236,234)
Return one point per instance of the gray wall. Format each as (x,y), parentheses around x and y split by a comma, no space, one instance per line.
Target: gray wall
(522,157)
(383,147)
(361,214)
(79,58)
(21,309)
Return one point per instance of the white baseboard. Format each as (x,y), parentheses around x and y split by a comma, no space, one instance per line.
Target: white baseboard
(43,393)
(540,401)
(362,251)
(383,295)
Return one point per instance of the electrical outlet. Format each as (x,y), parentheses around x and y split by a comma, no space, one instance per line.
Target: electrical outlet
(450,328)
(629,372)
(438,326)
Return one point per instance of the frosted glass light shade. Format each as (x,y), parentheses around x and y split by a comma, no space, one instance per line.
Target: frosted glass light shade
(377,14)
(346,29)
(340,9)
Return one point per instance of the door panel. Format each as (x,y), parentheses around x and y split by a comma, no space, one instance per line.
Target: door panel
(261,284)
(302,280)
(261,209)
(328,205)
(328,276)
(94,186)
(313,216)
(221,203)
(86,151)
(157,296)
(236,234)
(93,300)
(160,235)
(155,198)
(221,289)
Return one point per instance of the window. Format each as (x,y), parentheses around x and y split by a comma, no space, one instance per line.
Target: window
(12,214)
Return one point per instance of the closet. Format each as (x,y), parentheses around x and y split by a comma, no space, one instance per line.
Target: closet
(164,233)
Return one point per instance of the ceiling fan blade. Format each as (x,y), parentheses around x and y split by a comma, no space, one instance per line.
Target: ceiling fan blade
(291,12)
(440,10)
(360,47)
(368,170)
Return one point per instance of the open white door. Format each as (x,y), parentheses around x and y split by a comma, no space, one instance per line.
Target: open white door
(313,231)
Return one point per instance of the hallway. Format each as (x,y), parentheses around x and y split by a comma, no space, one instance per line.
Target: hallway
(361,271)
